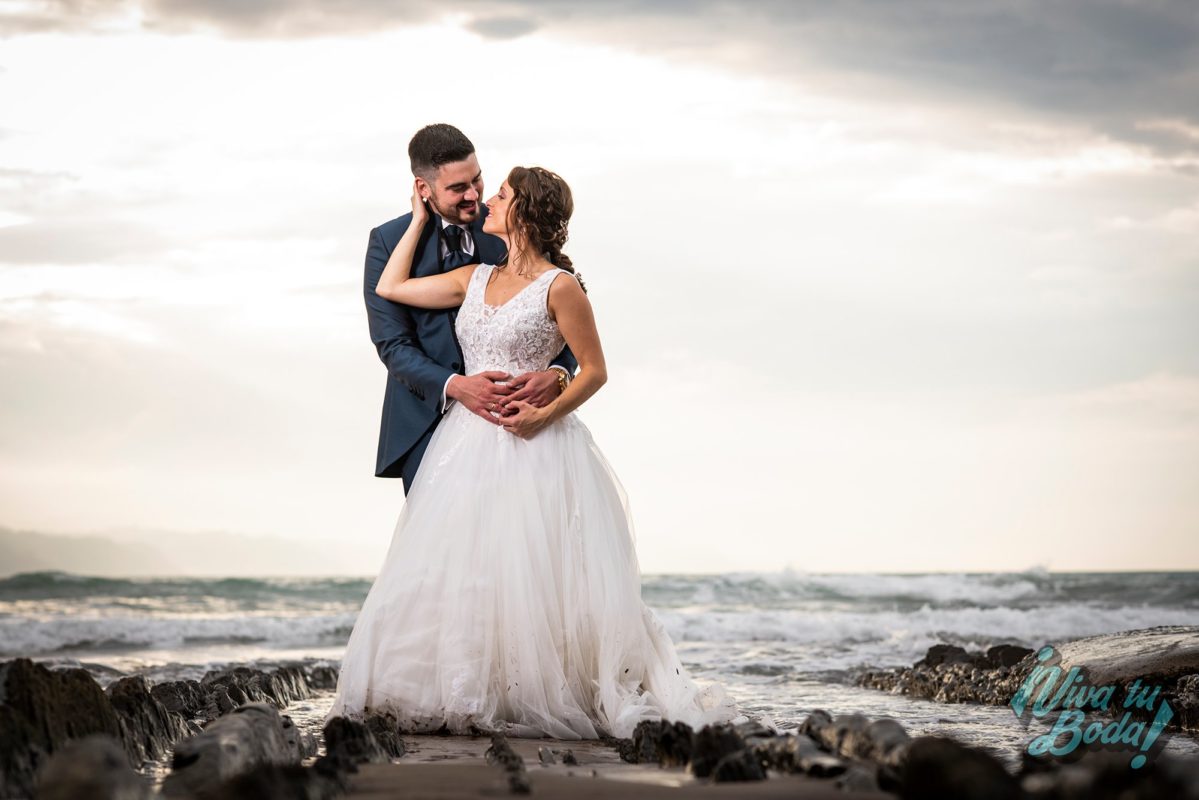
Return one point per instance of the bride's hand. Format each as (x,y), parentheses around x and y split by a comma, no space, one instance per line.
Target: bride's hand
(420,211)
(527,420)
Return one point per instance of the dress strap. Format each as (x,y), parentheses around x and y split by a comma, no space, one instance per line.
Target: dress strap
(544,289)
(478,282)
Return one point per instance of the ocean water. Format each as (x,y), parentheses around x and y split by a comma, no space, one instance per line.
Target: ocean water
(782,643)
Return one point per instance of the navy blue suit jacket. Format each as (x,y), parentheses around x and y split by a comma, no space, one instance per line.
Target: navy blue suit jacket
(417,345)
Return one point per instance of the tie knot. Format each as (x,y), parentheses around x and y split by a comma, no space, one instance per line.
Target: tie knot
(453,238)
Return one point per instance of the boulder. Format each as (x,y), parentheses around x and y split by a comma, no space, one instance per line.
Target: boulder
(939,768)
(278,782)
(148,729)
(95,767)
(40,711)
(250,735)
(1154,655)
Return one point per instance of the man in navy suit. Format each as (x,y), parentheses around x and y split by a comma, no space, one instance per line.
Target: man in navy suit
(418,346)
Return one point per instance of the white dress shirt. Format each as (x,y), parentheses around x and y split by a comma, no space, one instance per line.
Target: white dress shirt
(467,243)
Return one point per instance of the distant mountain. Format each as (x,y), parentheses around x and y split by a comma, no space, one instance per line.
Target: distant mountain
(143,553)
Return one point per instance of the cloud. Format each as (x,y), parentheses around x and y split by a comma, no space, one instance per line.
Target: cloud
(1109,64)
(77,241)
(503,27)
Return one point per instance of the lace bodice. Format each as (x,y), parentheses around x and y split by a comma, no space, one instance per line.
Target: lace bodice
(515,337)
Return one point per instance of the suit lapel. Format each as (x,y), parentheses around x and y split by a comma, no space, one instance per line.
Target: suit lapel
(428,248)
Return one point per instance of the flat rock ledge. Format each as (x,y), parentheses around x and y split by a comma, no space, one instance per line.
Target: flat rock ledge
(1166,655)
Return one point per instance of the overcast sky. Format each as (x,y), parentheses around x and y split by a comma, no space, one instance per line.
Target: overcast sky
(882,286)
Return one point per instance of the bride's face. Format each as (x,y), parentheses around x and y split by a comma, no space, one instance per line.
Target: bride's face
(496,221)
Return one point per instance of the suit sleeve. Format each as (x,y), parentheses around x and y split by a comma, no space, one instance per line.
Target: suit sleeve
(393,330)
(567,361)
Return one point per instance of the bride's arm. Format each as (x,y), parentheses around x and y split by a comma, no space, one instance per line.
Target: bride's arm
(570,308)
(446,290)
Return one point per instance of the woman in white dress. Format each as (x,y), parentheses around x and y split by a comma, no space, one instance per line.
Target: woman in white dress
(510,597)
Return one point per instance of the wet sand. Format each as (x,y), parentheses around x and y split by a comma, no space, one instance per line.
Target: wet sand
(451,767)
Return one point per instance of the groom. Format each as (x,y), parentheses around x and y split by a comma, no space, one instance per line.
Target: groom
(418,346)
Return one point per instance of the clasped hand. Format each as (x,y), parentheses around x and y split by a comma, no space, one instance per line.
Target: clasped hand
(517,404)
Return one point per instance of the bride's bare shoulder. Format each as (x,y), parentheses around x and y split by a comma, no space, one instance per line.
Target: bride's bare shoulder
(566,295)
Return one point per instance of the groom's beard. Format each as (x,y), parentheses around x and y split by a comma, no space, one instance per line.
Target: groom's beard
(463,213)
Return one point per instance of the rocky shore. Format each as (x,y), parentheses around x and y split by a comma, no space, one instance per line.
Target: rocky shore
(226,736)
(1164,656)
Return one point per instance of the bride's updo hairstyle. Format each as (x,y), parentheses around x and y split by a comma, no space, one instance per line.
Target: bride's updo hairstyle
(540,213)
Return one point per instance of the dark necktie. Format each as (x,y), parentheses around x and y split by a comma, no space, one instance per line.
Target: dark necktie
(455,257)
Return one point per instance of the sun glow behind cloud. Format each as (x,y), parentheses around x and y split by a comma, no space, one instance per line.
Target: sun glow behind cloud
(844,331)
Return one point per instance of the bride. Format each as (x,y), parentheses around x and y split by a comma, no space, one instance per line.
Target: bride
(510,597)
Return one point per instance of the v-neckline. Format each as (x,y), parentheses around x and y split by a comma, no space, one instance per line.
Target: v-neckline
(483,296)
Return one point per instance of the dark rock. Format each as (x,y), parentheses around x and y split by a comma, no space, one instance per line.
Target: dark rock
(502,755)
(1166,655)
(40,711)
(1006,655)
(250,735)
(754,729)
(186,698)
(625,747)
(742,765)
(386,730)
(349,742)
(849,736)
(278,782)
(229,688)
(644,747)
(1184,699)
(95,767)
(939,768)
(299,742)
(887,742)
(569,758)
(858,778)
(882,745)
(147,727)
(819,726)
(324,678)
(797,753)
(1106,775)
(941,654)
(946,676)
(888,750)
(662,742)
(710,744)
(1162,654)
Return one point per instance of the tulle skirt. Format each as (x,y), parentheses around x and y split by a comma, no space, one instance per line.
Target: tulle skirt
(510,599)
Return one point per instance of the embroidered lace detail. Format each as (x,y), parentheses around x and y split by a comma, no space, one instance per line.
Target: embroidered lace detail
(515,337)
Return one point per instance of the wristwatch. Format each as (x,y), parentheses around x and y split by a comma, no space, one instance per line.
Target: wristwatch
(562,379)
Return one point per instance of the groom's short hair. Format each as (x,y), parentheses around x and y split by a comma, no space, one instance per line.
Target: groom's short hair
(434,145)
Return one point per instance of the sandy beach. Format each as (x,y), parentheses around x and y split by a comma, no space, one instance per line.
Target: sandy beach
(454,767)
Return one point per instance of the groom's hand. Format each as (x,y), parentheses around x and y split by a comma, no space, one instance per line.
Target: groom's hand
(480,393)
(537,388)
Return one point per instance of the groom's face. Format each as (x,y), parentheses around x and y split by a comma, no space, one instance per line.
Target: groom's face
(455,190)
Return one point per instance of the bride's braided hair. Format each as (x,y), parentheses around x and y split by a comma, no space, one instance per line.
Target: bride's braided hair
(540,212)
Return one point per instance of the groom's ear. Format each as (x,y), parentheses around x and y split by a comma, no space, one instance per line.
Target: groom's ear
(422,186)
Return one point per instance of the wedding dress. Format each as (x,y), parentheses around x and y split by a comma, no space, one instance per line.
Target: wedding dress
(510,597)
